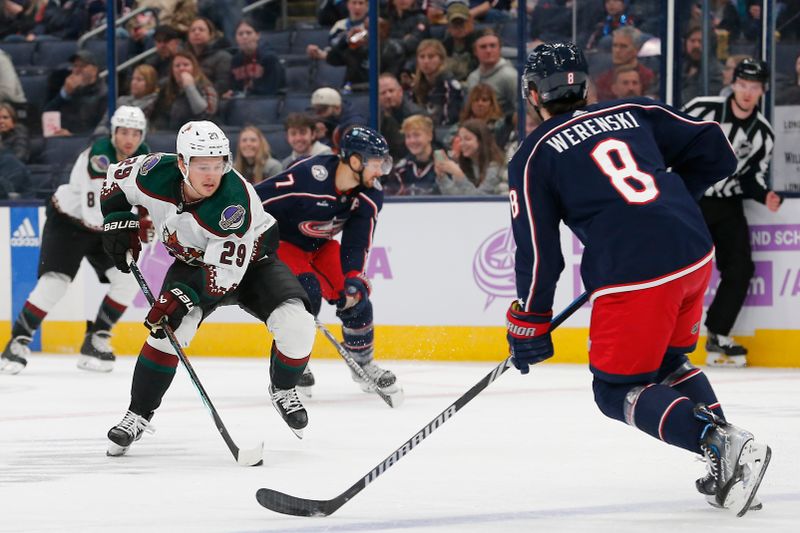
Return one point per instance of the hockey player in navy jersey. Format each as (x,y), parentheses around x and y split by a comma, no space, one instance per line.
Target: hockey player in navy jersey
(313,201)
(602,169)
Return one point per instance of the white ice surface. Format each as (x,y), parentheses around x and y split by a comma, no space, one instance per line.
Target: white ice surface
(530,453)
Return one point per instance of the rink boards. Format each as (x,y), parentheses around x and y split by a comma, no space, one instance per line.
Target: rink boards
(442,274)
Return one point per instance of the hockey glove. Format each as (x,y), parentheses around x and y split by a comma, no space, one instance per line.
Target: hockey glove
(356,295)
(528,337)
(172,305)
(120,235)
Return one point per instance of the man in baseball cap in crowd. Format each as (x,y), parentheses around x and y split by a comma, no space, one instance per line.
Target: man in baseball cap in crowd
(331,112)
(459,39)
(82,97)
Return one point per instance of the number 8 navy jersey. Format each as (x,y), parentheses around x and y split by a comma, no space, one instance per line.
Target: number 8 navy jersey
(625,177)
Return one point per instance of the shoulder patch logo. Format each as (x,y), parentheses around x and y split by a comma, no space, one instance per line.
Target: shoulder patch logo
(319,172)
(149,163)
(232,217)
(100,162)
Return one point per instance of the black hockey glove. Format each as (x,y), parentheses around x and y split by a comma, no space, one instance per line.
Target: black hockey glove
(528,337)
(172,305)
(120,235)
(356,295)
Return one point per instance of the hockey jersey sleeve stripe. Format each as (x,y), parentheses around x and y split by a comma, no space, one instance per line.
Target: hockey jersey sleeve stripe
(653,282)
(370,202)
(532,227)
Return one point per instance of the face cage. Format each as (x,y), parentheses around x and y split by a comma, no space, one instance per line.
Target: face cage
(386,163)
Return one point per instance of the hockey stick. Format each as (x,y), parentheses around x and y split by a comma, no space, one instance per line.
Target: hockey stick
(395,401)
(250,457)
(284,503)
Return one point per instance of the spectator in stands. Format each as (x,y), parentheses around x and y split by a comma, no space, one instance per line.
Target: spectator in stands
(751,23)
(14,136)
(625,45)
(408,25)
(459,40)
(627,82)
(177,14)
(414,174)
(489,10)
(168,41)
(551,20)
(395,108)
(254,158)
(616,15)
(300,134)
(348,45)
(692,83)
(16,19)
(14,176)
(330,113)
(727,73)
(209,47)
(255,69)
(494,70)
(143,94)
(82,98)
(331,11)
(186,95)
(725,17)
(480,168)
(62,20)
(10,86)
(790,94)
(434,87)
(482,105)
(435,10)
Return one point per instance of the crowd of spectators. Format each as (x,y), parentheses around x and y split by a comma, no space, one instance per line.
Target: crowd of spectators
(448,92)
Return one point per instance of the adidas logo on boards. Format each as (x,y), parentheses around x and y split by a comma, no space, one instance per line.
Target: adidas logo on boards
(25,235)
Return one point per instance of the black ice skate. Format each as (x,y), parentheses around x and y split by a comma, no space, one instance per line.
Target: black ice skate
(724,351)
(14,355)
(707,486)
(736,463)
(305,383)
(291,409)
(129,430)
(96,354)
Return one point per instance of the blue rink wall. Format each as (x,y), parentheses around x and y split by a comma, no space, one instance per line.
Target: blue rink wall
(442,274)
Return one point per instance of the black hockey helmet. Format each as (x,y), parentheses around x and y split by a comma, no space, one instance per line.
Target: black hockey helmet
(556,71)
(751,69)
(365,143)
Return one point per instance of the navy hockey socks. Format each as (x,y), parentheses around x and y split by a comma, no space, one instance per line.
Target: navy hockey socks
(285,372)
(359,335)
(28,321)
(108,315)
(689,381)
(151,378)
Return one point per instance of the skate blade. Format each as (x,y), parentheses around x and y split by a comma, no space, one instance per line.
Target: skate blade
(397,397)
(93,364)
(115,450)
(742,493)
(10,367)
(305,391)
(297,432)
(718,360)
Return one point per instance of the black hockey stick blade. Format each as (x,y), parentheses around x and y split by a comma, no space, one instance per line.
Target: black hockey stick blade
(281,502)
(249,457)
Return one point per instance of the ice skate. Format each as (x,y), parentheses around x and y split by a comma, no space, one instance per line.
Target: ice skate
(724,352)
(291,409)
(96,354)
(707,486)
(736,463)
(129,430)
(384,379)
(14,355)
(306,382)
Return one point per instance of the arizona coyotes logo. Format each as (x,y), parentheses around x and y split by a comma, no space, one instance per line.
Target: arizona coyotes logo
(184,253)
(321,229)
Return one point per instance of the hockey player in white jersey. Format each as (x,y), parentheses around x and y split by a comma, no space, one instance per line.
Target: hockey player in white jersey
(71,233)
(211,220)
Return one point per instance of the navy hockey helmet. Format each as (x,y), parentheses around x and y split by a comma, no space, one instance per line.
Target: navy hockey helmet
(556,71)
(751,69)
(367,144)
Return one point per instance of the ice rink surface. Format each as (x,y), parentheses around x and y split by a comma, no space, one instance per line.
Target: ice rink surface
(530,453)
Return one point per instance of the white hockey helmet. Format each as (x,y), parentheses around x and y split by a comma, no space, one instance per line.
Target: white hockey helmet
(203,138)
(128,116)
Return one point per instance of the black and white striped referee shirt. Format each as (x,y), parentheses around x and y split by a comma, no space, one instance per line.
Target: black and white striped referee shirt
(752,140)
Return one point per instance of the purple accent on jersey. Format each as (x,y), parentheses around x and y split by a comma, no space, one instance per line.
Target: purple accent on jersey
(577,245)
(759,294)
(493,266)
(775,237)
(232,217)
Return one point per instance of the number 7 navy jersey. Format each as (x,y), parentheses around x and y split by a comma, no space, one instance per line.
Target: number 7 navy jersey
(625,176)
(311,211)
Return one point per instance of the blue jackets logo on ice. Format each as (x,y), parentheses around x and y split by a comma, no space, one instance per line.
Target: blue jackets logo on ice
(25,234)
(232,217)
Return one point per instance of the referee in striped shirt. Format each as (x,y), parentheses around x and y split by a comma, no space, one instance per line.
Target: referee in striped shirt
(752,139)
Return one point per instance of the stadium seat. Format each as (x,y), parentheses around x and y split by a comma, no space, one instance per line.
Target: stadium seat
(304,37)
(295,102)
(98,48)
(325,75)
(55,54)
(62,152)
(359,102)
(22,53)
(253,110)
(277,143)
(161,141)
(34,81)
(279,41)
(298,78)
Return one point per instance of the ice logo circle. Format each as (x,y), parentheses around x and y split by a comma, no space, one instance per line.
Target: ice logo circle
(493,266)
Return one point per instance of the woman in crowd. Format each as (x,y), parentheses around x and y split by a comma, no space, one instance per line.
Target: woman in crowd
(480,168)
(143,94)
(253,159)
(434,87)
(209,47)
(255,70)
(186,95)
(482,105)
(13,136)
